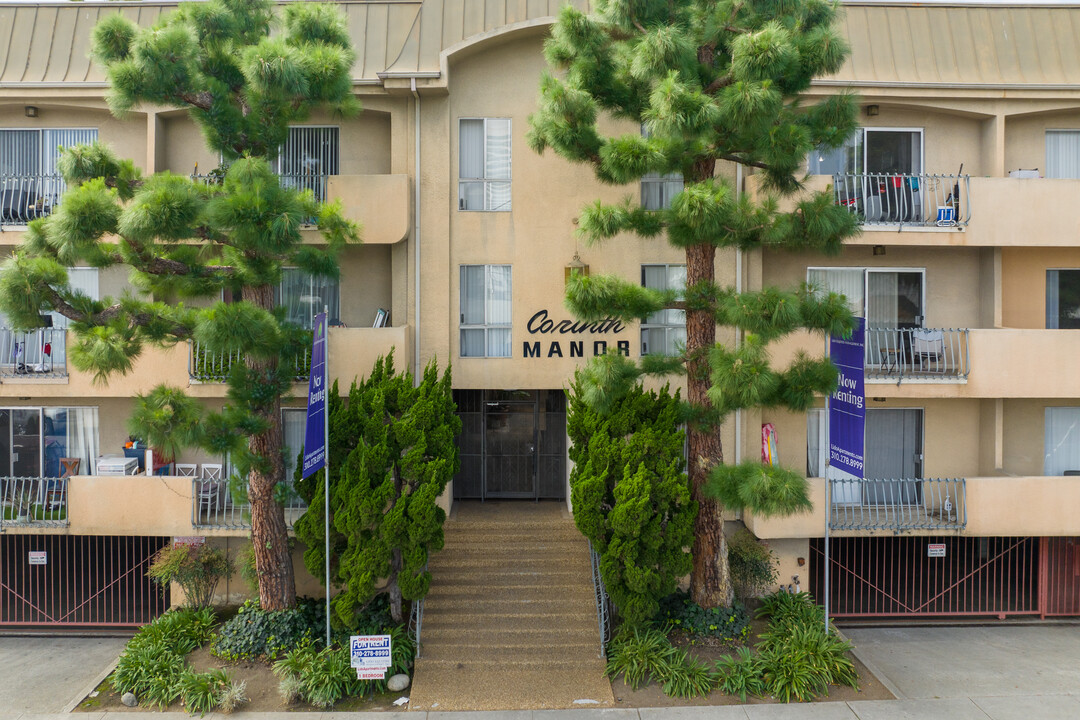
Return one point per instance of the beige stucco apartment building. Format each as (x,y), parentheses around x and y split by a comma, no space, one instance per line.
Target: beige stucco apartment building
(966,174)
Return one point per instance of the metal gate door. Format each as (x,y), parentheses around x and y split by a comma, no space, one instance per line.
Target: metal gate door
(1059,575)
(897,577)
(76,580)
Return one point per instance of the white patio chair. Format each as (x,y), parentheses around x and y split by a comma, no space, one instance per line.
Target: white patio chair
(187,470)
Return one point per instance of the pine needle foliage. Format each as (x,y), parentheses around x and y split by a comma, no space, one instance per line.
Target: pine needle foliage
(401,453)
(696,84)
(631,496)
(183,240)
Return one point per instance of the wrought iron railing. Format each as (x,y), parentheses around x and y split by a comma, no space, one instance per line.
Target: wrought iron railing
(603,602)
(207,366)
(28,196)
(315,182)
(904,504)
(34,501)
(416,620)
(899,353)
(905,198)
(33,353)
(213,506)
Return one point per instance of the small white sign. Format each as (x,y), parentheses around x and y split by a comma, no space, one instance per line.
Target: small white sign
(191,540)
(39,557)
(370,652)
(375,674)
(935,550)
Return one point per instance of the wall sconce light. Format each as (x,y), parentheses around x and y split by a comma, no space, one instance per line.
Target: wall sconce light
(879,249)
(871,110)
(576,268)
(30,111)
(878,399)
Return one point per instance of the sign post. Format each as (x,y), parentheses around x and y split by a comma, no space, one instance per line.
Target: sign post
(846,429)
(317,436)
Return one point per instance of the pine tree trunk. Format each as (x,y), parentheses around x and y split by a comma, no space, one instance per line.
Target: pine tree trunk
(710,580)
(269,536)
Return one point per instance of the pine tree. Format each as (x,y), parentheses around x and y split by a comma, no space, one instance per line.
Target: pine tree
(710,82)
(631,496)
(185,240)
(385,517)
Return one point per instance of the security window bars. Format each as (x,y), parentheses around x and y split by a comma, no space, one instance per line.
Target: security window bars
(308,158)
(486,292)
(663,332)
(29,184)
(1062,299)
(484,164)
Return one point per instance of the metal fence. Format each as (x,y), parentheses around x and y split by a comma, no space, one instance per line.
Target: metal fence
(317,183)
(34,502)
(899,353)
(207,366)
(905,504)
(416,620)
(213,506)
(36,353)
(25,197)
(905,198)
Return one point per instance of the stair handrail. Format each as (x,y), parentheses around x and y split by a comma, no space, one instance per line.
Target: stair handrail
(416,620)
(603,614)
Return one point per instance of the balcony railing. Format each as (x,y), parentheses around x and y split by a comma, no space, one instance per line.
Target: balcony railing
(26,197)
(213,506)
(906,504)
(905,199)
(924,353)
(206,366)
(34,501)
(315,182)
(33,353)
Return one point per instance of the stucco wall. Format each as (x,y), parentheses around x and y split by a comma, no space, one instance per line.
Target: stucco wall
(1023,282)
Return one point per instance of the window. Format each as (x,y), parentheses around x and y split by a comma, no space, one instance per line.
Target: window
(1062,299)
(33,439)
(657,190)
(484,164)
(29,185)
(1063,153)
(307,158)
(293,428)
(304,295)
(485,310)
(876,151)
(887,298)
(664,332)
(1062,435)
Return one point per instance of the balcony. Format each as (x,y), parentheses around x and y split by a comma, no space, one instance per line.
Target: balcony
(33,354)
(26,197)
(213,507)
(916,353)
(33,502)
(921,200)
(898,505)
(205,366)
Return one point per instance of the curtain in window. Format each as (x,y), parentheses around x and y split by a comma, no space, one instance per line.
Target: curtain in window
(497,163)
(1063,153)
(293,427)
(499,310)
(658,190)
(471,164)
(307,157)
(844,281)
(486,301)
(815,442)
(304,295)
(881,309)
(1062,435)
(71,433)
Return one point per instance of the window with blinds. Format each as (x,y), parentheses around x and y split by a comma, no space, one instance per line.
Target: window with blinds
(486,305)
(304,295)
(657,190)
(1062,437)
(29,184)
(308,158)
(484,164)
(1063,153)
(664,332)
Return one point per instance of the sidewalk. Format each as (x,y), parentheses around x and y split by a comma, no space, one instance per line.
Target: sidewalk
(937,673)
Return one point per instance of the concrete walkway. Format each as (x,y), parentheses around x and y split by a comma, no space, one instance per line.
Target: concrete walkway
(1029,672)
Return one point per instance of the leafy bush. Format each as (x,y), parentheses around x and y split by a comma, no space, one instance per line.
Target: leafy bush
(255,633)
(729,624)
(321,677)
(753,566)
(741,675)
(180,630)
(640,654)
(786,609)
(153,661)
(196,569)
(201,692)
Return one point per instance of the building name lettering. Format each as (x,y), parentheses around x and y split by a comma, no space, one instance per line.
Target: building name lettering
(541,323)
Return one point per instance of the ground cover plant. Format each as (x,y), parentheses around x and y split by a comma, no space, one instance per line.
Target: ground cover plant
(197,569)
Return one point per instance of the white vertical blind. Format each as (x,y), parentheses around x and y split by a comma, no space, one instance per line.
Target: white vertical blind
(1063,153)
(663,332)
(1062,442)
(816,428)
(881,303)
(486,310)
(484,164)
(303,296)
(294,425)
(848,282)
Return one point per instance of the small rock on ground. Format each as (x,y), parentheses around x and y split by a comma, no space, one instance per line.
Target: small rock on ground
(129,699)
(397,683)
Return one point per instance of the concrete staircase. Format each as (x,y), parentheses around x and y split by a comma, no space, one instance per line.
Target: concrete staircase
(510,621)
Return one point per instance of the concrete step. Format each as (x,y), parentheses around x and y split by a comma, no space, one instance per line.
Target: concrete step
(453,636)
(516,545)
(502,604)
(469,593)
(445,687)
(530,562)
(457,579)
(562,622)
(553,652)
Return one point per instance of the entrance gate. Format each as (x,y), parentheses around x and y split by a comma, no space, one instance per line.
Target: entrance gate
(512,444)
(78,581)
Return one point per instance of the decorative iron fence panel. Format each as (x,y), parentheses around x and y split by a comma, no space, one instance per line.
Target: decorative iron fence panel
(34,502)
(206,366)
(213,506)
(1060,576)
(923,353)
(33,353)
(905,198)
(898,505)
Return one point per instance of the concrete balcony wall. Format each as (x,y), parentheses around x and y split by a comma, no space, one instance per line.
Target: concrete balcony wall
(378,202)
(996,506)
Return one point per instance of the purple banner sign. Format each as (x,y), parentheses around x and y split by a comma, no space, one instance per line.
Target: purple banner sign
(847,405)
(314,439)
